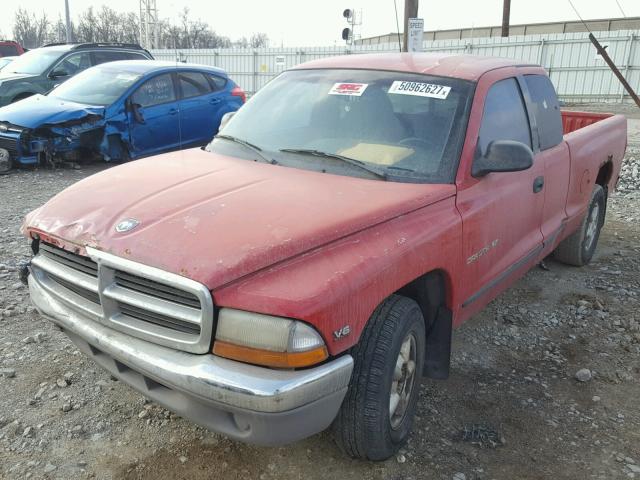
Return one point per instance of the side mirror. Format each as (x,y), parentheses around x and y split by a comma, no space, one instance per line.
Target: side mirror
(503,156)
(225,119)
(58,73)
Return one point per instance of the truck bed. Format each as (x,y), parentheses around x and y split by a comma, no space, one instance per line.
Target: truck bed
(572,121)
(594,140)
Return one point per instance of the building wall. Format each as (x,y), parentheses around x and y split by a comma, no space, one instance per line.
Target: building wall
(578,73)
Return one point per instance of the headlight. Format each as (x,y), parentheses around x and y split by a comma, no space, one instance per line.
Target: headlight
(266,340)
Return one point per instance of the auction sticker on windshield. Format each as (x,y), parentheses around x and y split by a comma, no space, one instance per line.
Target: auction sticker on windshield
(420,89)
(350,89)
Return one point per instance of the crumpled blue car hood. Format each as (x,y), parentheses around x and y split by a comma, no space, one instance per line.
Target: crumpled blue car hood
(38,110)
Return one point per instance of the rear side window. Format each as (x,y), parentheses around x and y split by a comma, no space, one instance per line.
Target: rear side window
(504,116)
(546,110)
(8,51)
(155,91)
(218,82)
(193,84)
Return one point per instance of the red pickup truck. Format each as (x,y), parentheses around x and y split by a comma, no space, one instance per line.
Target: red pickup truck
(307,268)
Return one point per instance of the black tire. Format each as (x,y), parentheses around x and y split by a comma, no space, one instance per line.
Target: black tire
(578,248)
(6,164)
(363,427)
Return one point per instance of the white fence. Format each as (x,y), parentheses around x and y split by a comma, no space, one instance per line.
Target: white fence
(578,73)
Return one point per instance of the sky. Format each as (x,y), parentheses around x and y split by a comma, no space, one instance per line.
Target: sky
(318,23)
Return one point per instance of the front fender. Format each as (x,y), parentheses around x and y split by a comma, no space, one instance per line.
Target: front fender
(340,284)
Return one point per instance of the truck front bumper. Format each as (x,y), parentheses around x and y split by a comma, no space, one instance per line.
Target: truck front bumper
(245,402)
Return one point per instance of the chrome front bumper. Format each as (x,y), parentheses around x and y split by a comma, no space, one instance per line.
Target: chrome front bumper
(245,402)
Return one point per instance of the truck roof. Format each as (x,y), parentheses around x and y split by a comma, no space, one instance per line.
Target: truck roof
(466,67)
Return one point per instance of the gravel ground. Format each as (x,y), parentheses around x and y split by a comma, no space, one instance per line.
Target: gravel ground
(544,383)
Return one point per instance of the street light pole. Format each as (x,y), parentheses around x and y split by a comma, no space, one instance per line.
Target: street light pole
(68,21)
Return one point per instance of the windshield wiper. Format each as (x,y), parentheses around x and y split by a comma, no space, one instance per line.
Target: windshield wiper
(248,145)
(337,156)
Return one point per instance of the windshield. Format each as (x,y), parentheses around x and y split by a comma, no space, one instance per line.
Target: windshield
(82,88)
(409,127)
(34,62)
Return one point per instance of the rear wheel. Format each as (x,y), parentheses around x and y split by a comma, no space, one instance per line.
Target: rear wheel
(578,248)
(376,416)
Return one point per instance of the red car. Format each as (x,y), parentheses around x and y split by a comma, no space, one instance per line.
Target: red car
(307,268)
(9,48)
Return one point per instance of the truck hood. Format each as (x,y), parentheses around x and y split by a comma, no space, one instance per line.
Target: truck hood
(38,111)
(214,218)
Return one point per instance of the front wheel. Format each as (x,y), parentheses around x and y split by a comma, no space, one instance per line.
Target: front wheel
(578,248)
(376,416)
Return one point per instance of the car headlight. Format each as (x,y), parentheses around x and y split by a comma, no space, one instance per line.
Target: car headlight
(265,340)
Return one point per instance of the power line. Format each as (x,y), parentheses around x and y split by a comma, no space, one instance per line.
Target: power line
(578,14)
(397,26)
(621,10)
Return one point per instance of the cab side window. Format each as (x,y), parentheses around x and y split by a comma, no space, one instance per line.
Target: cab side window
(155,91)
(546,110)
(504,117)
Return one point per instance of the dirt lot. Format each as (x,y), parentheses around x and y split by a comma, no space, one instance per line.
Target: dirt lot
(512,408)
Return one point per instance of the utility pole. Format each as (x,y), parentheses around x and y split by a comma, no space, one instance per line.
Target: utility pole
(506,12)
(410,11)
(68,21)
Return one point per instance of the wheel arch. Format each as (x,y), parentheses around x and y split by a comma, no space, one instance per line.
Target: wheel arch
(431,292)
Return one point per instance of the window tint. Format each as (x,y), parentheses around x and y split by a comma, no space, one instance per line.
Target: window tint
(155,91)
(193,84)
(75,63)
(8,51)
(546,110)
(504,116)
(107,56)
(218,82)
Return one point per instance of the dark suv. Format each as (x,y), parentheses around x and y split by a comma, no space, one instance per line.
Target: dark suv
(39,70)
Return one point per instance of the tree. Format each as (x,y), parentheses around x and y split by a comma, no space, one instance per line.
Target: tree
(108,25)
(259,40)
(30,30)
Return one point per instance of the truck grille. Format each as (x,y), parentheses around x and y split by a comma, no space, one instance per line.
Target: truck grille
(10,144)
(146,302)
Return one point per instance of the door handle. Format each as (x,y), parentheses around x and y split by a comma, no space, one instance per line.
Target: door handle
(173,111)
(538,184)
(214,101)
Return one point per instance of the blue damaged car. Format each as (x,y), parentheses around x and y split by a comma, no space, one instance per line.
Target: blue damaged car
(118,111)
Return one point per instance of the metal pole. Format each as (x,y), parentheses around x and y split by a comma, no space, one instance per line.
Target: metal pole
(68,21)
(614,69)
(506,12)
(410,11)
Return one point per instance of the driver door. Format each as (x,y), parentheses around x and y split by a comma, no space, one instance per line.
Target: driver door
(501,211)
(154,117)
(68,67)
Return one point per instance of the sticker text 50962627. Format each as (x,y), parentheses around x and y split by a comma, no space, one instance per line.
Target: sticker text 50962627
(420,89)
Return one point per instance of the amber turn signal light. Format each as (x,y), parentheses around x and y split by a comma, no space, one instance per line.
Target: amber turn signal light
(268,358)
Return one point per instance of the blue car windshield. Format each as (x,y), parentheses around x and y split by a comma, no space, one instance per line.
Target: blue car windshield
(82,88)
(34,62)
